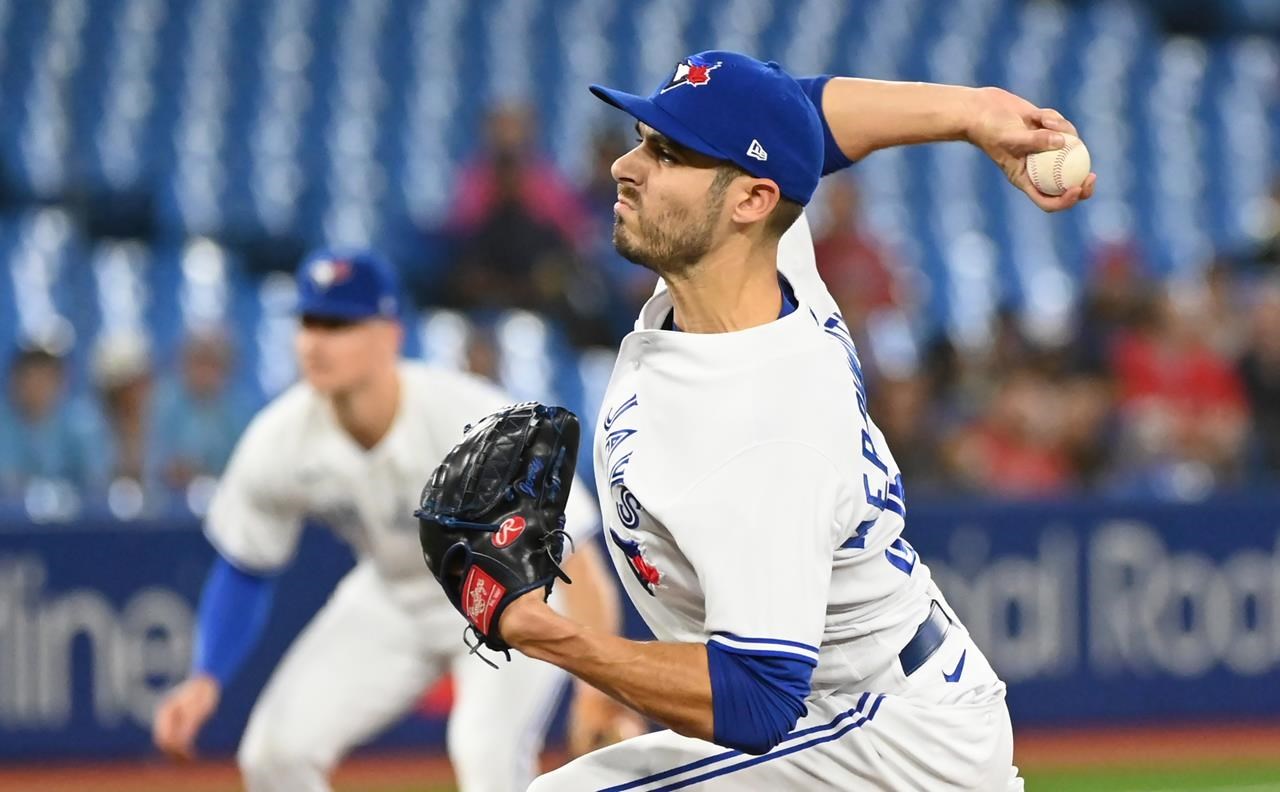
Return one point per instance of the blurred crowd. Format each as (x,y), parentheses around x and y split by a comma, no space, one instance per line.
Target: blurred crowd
(1162,388)
(137,438)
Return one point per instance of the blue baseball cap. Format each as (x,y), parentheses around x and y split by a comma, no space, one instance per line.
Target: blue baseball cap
(733,107)
(347,284)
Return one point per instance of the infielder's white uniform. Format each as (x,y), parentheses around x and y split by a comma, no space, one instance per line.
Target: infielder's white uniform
(750,500)
(388,631)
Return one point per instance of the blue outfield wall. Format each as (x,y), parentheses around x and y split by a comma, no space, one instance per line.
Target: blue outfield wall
(1094,612)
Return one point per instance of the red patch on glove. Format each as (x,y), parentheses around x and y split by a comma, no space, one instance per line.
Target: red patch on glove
(480,595)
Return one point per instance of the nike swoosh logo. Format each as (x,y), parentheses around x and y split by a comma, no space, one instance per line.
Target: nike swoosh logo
(954,676)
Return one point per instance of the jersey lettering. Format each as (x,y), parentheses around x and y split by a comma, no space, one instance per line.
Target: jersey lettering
(902,555)
(869,452)
(859,539)
(836,328)
(615,437)
(889,497)
(626,504)
(616,414)
(629,508)
(617,469)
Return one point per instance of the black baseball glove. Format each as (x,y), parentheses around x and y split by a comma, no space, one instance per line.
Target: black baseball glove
(491,519)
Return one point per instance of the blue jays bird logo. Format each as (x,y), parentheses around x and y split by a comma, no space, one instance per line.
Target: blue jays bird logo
(327,272)
(692,71)
(645,572)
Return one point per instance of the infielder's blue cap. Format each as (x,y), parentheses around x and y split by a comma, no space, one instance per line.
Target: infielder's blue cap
(347,284)
(733,107)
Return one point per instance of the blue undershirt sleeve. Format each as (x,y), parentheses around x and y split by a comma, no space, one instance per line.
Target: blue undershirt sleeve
(234,607)
(833,159)
(756,700)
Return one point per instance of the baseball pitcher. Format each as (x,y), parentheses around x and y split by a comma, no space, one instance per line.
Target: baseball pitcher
(752,508)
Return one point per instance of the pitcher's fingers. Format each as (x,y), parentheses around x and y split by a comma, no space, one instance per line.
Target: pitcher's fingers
(1087,187)
(1049,118)
(1053,203)
(1030,141)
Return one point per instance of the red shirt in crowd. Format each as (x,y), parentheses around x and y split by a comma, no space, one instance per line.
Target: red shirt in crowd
(1188,380)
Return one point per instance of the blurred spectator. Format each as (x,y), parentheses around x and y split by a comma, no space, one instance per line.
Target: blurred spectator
(489,181)
(514,258)
(122,373)
(197,417)
(943,369)
(1181,404)
(1268,253)
(42,437)
(856,267)
(1015,449)
(510,256)
(1260,371)
(906,412)
(1085,425)
(1117,294)
(1010,349)
(1224,328)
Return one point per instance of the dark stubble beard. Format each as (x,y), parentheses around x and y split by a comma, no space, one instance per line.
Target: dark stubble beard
(673,242)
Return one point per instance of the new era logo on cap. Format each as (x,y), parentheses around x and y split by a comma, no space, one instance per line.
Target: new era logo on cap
(756,151)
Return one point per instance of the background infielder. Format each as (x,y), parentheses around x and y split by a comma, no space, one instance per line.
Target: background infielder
(753,508)
(351,446)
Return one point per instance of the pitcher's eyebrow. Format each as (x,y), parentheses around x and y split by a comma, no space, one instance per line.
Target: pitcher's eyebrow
(650,135)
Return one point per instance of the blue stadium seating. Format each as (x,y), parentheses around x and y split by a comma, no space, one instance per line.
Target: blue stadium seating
(337,121)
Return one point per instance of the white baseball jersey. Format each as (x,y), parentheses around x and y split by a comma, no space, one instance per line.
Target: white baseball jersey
(388,630)
(750,500)
(296,461)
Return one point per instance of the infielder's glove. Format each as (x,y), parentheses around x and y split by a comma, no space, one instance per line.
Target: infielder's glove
(491,519)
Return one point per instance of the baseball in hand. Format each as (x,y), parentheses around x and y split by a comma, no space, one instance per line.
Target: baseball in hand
(1054,172)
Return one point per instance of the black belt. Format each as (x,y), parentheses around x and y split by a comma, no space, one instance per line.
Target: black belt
(929,636)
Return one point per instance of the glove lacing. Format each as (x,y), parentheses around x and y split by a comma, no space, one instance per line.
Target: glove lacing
(468,634)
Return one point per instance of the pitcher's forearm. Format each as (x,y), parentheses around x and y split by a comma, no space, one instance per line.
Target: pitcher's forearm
(869,115)
(666,682)
(592,599)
